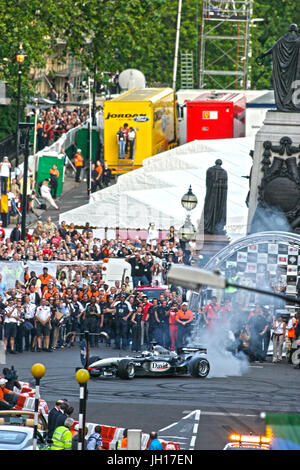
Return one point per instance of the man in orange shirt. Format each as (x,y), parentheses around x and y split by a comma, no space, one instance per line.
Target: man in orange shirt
(49,290)
(4,392)
(45,278)
(78,162)
(184,319)
(93,292)
(99,170)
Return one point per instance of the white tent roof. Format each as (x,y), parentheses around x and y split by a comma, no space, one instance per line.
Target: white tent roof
(153,193)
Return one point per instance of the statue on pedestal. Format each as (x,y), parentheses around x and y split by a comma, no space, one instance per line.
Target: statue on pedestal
(215,205)
(286,70)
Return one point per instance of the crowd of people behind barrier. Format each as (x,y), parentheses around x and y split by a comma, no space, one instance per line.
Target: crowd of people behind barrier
(49,311)
(46,311)
(56,121)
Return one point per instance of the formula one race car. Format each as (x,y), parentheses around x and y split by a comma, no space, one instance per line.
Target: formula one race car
(155,363)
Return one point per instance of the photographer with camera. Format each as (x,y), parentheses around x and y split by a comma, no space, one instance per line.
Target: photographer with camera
(58,313)
(137,270)
(29,327)
(43,325)
(12,378)
(76,313)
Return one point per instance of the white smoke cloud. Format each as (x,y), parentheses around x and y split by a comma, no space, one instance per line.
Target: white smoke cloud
(220,343)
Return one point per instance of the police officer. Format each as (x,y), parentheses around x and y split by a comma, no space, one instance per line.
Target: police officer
(136,320)
(121,444)
(122,314)
(95,440)
(162,331)
(109,322)
(153,320)
(92,319)
(62,436)
(76,311)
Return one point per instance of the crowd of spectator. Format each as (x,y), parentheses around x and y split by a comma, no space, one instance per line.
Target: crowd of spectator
(48,311)
(51,242)
(55,121)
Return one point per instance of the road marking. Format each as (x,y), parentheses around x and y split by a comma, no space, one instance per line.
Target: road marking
(190,414)
(189,429)
(196,414)
(189,443)
(168,427)
(192,443)
(217,413)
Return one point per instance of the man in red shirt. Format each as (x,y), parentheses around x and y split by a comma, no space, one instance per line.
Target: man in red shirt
(47,251)
(211,310)
(145,321)
(173,325)
(56,239)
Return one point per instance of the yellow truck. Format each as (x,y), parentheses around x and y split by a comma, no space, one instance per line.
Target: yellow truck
(138,124)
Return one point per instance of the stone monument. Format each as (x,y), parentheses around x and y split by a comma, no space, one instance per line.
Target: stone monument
(274,200)
(212,233)
(215,204)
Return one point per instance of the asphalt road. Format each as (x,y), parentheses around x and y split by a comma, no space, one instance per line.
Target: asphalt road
(199,413)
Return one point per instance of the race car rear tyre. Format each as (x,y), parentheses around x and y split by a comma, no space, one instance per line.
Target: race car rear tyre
(126,369)
(94,359)
(200,368)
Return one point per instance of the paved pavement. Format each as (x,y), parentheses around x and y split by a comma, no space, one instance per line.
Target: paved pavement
(73,195)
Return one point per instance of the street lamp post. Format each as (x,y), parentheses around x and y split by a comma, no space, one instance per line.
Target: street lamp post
(90,133)
(38,371)
(82,376)
(20,57)
(187,232)
(26,126)
(94,121)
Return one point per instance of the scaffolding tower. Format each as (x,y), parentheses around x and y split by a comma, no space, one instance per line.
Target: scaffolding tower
(224,46)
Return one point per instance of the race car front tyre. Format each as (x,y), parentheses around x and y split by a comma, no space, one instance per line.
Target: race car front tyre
(200,368)
(126,369)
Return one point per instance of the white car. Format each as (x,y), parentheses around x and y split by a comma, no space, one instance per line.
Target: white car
(16,430)
(19,438)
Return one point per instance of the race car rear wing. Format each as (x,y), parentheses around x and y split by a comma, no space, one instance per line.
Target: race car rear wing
(200,349)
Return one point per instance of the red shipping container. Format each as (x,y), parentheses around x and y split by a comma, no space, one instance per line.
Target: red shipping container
(216,115)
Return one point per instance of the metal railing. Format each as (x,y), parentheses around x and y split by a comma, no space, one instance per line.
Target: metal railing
(8,147)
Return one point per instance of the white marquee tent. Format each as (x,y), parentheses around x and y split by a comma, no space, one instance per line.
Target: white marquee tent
(153,193)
